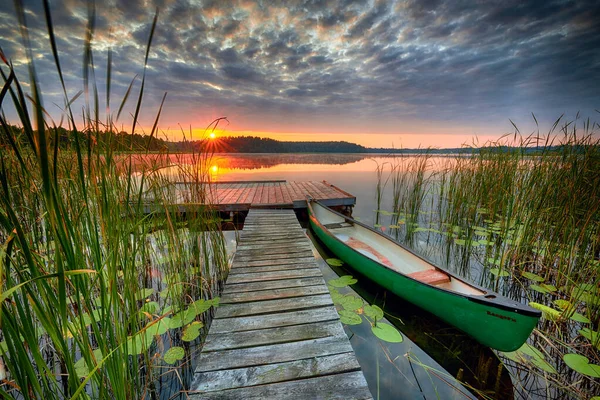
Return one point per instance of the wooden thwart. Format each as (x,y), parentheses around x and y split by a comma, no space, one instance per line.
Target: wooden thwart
(276,333)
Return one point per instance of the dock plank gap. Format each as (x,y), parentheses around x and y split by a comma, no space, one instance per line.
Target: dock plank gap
(276,334)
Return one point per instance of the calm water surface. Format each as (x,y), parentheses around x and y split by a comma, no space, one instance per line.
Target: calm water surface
(432,354)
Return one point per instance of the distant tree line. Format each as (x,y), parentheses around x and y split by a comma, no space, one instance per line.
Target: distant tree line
(125,142)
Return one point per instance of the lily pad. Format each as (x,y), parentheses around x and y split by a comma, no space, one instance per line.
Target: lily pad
(81,367)
(495,261)
(591,335)
(182,318)
(151,307)
(138,343)
(334,262)
(580,318)
(485,242)
(460,242)
(373,312)
(387,333)
(157,328)
(335,295)
(174,354)
(351,303)
(192,331)
(548,312)
(532,276)
(563,304)
(143,293)
(499,272)
(349,317)
(342,281)
(200,306)
(582,365)
(539,289)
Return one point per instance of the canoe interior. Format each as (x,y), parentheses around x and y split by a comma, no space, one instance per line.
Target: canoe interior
(389,253)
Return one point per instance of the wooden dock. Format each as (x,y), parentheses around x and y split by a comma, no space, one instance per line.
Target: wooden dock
(236,196)
(276,334)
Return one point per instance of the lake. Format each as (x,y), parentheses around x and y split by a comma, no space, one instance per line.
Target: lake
(432,353)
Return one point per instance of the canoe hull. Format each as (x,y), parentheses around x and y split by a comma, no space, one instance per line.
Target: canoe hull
(495,327)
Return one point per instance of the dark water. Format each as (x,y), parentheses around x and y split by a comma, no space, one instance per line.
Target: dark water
(426,364)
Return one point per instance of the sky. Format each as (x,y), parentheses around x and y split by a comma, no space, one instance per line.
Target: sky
(418,73)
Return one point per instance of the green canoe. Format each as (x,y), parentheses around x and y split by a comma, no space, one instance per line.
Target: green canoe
(492,319)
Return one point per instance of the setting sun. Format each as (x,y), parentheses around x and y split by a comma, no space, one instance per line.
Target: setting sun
(212,135)
(214,169)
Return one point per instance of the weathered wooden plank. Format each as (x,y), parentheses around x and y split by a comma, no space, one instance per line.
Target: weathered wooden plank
(261,295)
(259,255)
(270,285)
(278,372)
(276,305)
(270,276)
(249,238)
(239,324)
(274,248)
(262,263)
(271,268)
(274,353)
(283,334)
(346,386)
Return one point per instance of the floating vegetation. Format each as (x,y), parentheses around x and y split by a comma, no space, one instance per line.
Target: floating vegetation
(521,217)
(352,309)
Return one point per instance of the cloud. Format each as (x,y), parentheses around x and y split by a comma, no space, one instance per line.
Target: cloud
(372,62)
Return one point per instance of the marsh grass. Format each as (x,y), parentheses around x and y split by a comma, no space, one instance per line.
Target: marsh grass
(520,216)
(94,290)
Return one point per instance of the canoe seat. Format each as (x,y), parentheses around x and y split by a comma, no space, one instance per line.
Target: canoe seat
(337,225)
(431,276)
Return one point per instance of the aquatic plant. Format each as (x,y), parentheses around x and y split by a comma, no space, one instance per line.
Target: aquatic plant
(521,216)
(96,287)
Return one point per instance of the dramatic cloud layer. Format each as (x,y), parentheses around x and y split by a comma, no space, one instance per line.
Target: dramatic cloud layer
(330,66)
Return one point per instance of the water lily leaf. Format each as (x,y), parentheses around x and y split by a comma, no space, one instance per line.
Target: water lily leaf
(182,318)
(351,303)
(563,304)
(342,281)
(485,242)
(498,272)
(335,295)
(387,333)
(548,312)
(200,306)
(143,293)
(192,331)
(548,287)
(538,288)
(151,307)
(495,261)
(373,312)
(460,242)
(349,317)
(159,327)
(138,343)
(421,229)
(582,365)
(591,299)
(334,262)
(81,367)
(481,233)
(591,335)
(215,301)
(515,356)
(580,318)
(174,354)
(543,365)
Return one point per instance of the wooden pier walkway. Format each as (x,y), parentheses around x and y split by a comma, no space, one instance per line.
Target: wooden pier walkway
(276,334)
(236,196)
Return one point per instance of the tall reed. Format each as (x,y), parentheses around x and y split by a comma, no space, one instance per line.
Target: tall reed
(522,216)
(94,288)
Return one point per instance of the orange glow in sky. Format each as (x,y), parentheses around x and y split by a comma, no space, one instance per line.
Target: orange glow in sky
(212,135)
